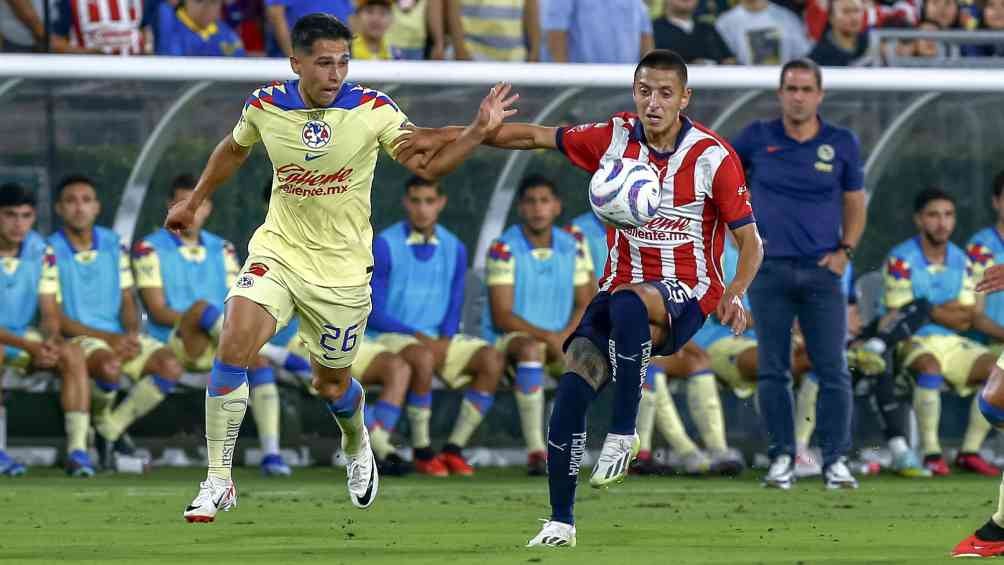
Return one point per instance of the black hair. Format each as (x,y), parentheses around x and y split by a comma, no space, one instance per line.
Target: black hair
(312,27)
(184,181)
(999,184)
(665,60)
(75,178)
(533,181)
(928,195)
(416,181)
(804,65)
(14,194)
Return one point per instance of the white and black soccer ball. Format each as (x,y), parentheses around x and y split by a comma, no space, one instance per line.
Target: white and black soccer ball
(625,192)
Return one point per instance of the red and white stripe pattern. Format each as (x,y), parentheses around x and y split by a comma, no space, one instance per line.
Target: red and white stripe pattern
(111,26)
(685,241)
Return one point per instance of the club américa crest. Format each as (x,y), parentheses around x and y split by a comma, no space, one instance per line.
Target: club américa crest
(315,134)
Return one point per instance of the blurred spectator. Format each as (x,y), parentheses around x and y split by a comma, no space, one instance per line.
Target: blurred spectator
(21,26)
(373,19)
(247,18)
(761,33)
(944,13)
(992,20)
(843,44)
(282,15)
(196,29)
(597,31)
(495,30)
(100,26)
(695,41)
(418,23)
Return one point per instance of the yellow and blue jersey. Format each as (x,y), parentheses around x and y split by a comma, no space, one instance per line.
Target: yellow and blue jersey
(543,279)
(318,221)
(178,35)
(185,273)
(493,29)
(23,277)
(986,249)
(91,281)
(909,275)
(418,283)
(591,230)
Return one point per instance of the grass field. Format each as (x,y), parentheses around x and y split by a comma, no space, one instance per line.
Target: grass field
(49,518)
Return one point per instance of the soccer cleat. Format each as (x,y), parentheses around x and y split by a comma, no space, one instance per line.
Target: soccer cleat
(433,467)
(363,477)
(975,463)
(982,543)
(536,464)
(214,495)
(456,464)
(273,466)
(694,464)
(781,473)
(807,465)
(554,534)
(907,464)
(614,460)
(837,476)
(865,360)
(727,463)
(78,464)
(394,466)
(9,467)
(644,464)
(937,465)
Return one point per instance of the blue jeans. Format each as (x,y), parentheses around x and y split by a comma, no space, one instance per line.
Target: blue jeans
(786,289)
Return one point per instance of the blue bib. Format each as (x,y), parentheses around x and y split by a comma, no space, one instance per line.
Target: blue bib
(92,293)
(418,291)
(712,330)
(596,237)
(186,282)
(544,290)
(286,334)
(994,306)
(19,299)
(938,284)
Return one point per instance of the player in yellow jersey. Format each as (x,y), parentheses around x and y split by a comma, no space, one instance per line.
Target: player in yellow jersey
(312,256)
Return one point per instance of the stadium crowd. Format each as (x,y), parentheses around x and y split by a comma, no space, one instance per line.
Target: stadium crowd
(747,32)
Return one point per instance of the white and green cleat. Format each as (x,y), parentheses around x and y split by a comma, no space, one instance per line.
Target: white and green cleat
(615,458)
(554,534)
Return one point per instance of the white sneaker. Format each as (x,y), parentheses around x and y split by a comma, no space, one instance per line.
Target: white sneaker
(807,465)
(554,534)
(615,459)
(781,473)
(838,476)
(363,478)
(214,495)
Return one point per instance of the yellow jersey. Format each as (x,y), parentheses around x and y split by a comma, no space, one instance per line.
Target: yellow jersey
(318,221)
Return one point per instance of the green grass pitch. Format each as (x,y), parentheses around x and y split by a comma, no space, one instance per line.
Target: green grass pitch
(49,518)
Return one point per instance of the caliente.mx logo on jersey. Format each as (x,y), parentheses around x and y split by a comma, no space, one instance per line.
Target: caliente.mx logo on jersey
(316,134)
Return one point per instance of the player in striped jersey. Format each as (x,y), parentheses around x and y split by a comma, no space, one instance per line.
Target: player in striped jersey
(667,272)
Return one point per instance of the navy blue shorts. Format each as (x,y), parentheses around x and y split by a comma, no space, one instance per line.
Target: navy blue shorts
(684,313)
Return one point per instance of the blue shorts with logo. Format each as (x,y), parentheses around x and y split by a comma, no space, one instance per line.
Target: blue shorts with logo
(684,315)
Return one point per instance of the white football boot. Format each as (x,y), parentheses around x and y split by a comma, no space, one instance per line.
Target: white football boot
(781,474)
(554,534)
(615,459)
(214,495)
(363,478)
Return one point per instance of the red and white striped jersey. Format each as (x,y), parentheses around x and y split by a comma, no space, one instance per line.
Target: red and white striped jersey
(703,190)
(111,26)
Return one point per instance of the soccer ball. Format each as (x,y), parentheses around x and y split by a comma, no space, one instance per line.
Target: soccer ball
(625,193)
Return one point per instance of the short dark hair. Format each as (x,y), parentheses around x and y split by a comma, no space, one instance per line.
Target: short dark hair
(999,184)
(928,195)
(75,178)
(14,194)
(184,181)
(803,64)
(665,60)
(533,181)
(416,181)
(312,27)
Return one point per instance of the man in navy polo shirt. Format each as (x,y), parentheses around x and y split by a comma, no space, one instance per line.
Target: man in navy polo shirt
(806,180)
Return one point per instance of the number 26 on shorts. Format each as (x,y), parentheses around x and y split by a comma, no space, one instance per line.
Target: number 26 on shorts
(330,341)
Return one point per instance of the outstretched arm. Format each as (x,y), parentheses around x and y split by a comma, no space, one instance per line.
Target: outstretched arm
(223,163)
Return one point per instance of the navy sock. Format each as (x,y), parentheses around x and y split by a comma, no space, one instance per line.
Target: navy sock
(630,349)
(566,443)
